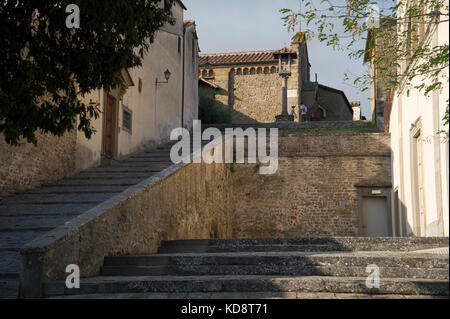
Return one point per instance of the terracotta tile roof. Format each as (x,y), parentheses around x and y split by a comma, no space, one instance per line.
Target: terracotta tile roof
(284,51)
(238,58)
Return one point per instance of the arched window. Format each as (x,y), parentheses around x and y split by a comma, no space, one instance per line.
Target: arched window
(259,70)
(204,74)
(266,70)
(245,71)
(252,71)
(273,70)
(239,71)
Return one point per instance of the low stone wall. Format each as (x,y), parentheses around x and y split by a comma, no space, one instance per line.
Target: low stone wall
(186,201)
(314,192)
(28,166)
(294,125)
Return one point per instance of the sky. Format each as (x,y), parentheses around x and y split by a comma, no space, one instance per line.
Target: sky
(250,25)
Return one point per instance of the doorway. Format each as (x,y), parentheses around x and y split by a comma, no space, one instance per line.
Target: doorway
(109,126)
(417,182)
(375,217)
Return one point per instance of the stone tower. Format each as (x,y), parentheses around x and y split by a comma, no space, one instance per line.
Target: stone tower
(301,71)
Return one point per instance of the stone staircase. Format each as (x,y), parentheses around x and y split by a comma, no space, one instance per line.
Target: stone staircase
(272,268)
(29,215)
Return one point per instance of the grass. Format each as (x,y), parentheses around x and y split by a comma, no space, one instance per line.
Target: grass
(369,128)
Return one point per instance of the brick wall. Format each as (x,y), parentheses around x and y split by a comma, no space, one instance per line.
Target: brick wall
(313,193)
(28,166)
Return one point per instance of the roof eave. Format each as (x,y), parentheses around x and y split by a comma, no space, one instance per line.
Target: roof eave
(181,4)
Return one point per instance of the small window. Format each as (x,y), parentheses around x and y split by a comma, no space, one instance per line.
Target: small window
(140,85)
(127,119)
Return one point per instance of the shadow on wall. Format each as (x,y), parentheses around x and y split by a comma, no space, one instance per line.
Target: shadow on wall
(86,158)
(402,226)
(212,111)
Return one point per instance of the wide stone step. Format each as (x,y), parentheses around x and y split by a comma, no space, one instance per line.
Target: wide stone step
(271,270)
(99,182)
(138,164)
(244,296)
(106,285)
(13,241)
(147,160)
(57,198)
(20,223)
(9,288)
(65,209)
(132,169)
(302,244)
(250,248)
(150,156)
(295,259)
(92,175)
(9,264)
(63,189)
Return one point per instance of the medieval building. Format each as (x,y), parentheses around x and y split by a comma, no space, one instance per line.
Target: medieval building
(248,83)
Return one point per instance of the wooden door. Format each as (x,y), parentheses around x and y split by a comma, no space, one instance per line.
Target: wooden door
(110,104)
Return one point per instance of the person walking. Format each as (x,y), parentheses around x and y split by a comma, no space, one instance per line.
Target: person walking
(303,111)
(292,113)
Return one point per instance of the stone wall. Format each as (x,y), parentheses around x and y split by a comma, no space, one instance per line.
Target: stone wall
(295,126)
(313,193)
(257,97)
(253,93)
(185,201)
(28,166)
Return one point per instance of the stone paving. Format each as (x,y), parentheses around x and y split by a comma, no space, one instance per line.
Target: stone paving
(29,215)
(243,270)
(243,296)
(435,251)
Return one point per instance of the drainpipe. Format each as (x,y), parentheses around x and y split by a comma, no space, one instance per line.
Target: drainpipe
(183,77)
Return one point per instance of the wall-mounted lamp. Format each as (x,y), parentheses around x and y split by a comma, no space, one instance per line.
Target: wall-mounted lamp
(167,75)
